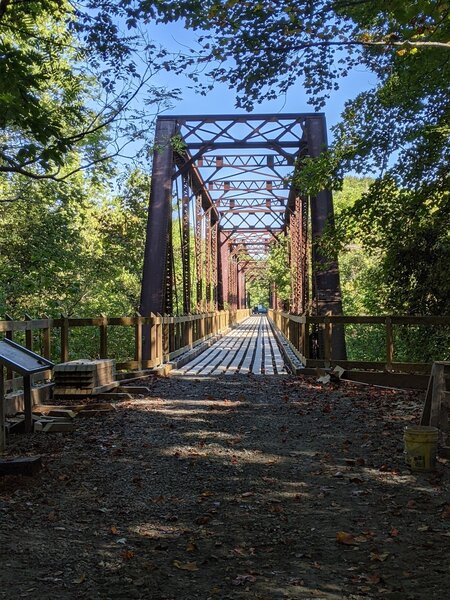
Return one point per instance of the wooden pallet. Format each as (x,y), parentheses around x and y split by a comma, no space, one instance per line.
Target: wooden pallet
(85,377)
(436,409)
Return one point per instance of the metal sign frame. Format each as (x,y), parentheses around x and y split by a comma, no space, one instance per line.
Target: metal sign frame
(32,363)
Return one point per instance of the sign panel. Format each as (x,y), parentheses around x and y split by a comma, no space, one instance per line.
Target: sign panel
(21,360)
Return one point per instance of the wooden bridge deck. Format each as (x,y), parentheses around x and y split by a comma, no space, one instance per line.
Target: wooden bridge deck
(249,348)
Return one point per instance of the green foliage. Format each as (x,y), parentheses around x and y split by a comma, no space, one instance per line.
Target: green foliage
(44,96)
(278,272)
(393,260)
(262,48)
(68,249)
(259,292)
(70,83)
(397,132)
(407,240)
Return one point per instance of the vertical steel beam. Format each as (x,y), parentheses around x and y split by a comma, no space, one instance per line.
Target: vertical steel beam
(199,249)
(304,256)
(208,258)
(155,254)
(242,291)
(327,297)
(185,247)
(232,296)
(170,273)
(223,287)
(214,261)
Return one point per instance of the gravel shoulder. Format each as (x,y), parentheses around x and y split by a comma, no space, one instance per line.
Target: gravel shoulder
(235,487)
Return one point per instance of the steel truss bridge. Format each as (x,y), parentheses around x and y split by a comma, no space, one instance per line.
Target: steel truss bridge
(232,178)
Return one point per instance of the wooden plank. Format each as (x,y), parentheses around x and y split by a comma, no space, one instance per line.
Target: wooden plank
(188,367)
(236,353)
(257,358)
(247,329)
(245,367)
(268,353)
(438,390)
(426,412)
(207,362)
(232,343)
(197,365)
(280,366)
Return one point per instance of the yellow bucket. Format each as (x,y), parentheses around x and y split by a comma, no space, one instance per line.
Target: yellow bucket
(421,447)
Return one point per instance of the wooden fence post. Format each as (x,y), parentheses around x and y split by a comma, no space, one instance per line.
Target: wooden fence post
(64,338)
(438,391)
(389,344)
(104,336)
(327,340)
(2,411)
(28,333)
(154,346)
(138,339)
(164,338)
(306,338)
(188,332)
(46,339)
(9,335)
(28,403)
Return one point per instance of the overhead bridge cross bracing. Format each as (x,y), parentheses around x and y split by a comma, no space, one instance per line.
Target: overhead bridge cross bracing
(223,192)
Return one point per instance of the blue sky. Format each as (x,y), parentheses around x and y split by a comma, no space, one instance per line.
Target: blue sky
(222,99)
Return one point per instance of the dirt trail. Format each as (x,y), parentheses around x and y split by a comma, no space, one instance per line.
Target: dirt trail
(231,488)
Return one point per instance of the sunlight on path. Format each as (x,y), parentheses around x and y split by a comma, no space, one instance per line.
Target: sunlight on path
(249,348)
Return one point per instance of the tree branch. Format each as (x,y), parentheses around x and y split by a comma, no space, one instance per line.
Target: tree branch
(387,44)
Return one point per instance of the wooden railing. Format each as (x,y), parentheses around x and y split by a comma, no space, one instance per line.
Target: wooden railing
(169,336)
(300,330)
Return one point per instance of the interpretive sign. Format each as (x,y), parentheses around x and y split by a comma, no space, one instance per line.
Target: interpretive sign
(27,363)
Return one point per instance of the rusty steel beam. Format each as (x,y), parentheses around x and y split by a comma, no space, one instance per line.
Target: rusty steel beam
(243,203)
(208,258)
(185,246)
(198,242)
(224,270)
(214,263)
(327,297)
(242,160)
(269,117)
(155,253)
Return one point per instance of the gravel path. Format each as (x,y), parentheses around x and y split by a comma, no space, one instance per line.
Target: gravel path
(243,487)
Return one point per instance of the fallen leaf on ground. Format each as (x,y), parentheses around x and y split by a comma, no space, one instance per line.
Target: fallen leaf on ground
(446,513)
(189,566)
(394,532)
(191,546)
(380,556)
(342,537)
(243,579)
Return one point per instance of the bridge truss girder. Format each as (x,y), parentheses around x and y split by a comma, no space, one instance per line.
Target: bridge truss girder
(231,176)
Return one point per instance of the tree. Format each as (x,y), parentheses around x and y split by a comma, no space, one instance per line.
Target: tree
(263,48)
(397,132)
(69,83)
(74,249)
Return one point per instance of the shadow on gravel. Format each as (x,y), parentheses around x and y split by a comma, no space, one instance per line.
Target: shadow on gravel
(231,488)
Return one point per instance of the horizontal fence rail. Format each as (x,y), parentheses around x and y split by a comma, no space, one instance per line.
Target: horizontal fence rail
(311,338)
(170,336)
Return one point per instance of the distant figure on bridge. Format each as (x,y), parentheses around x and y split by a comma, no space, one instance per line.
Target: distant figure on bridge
(259,310)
